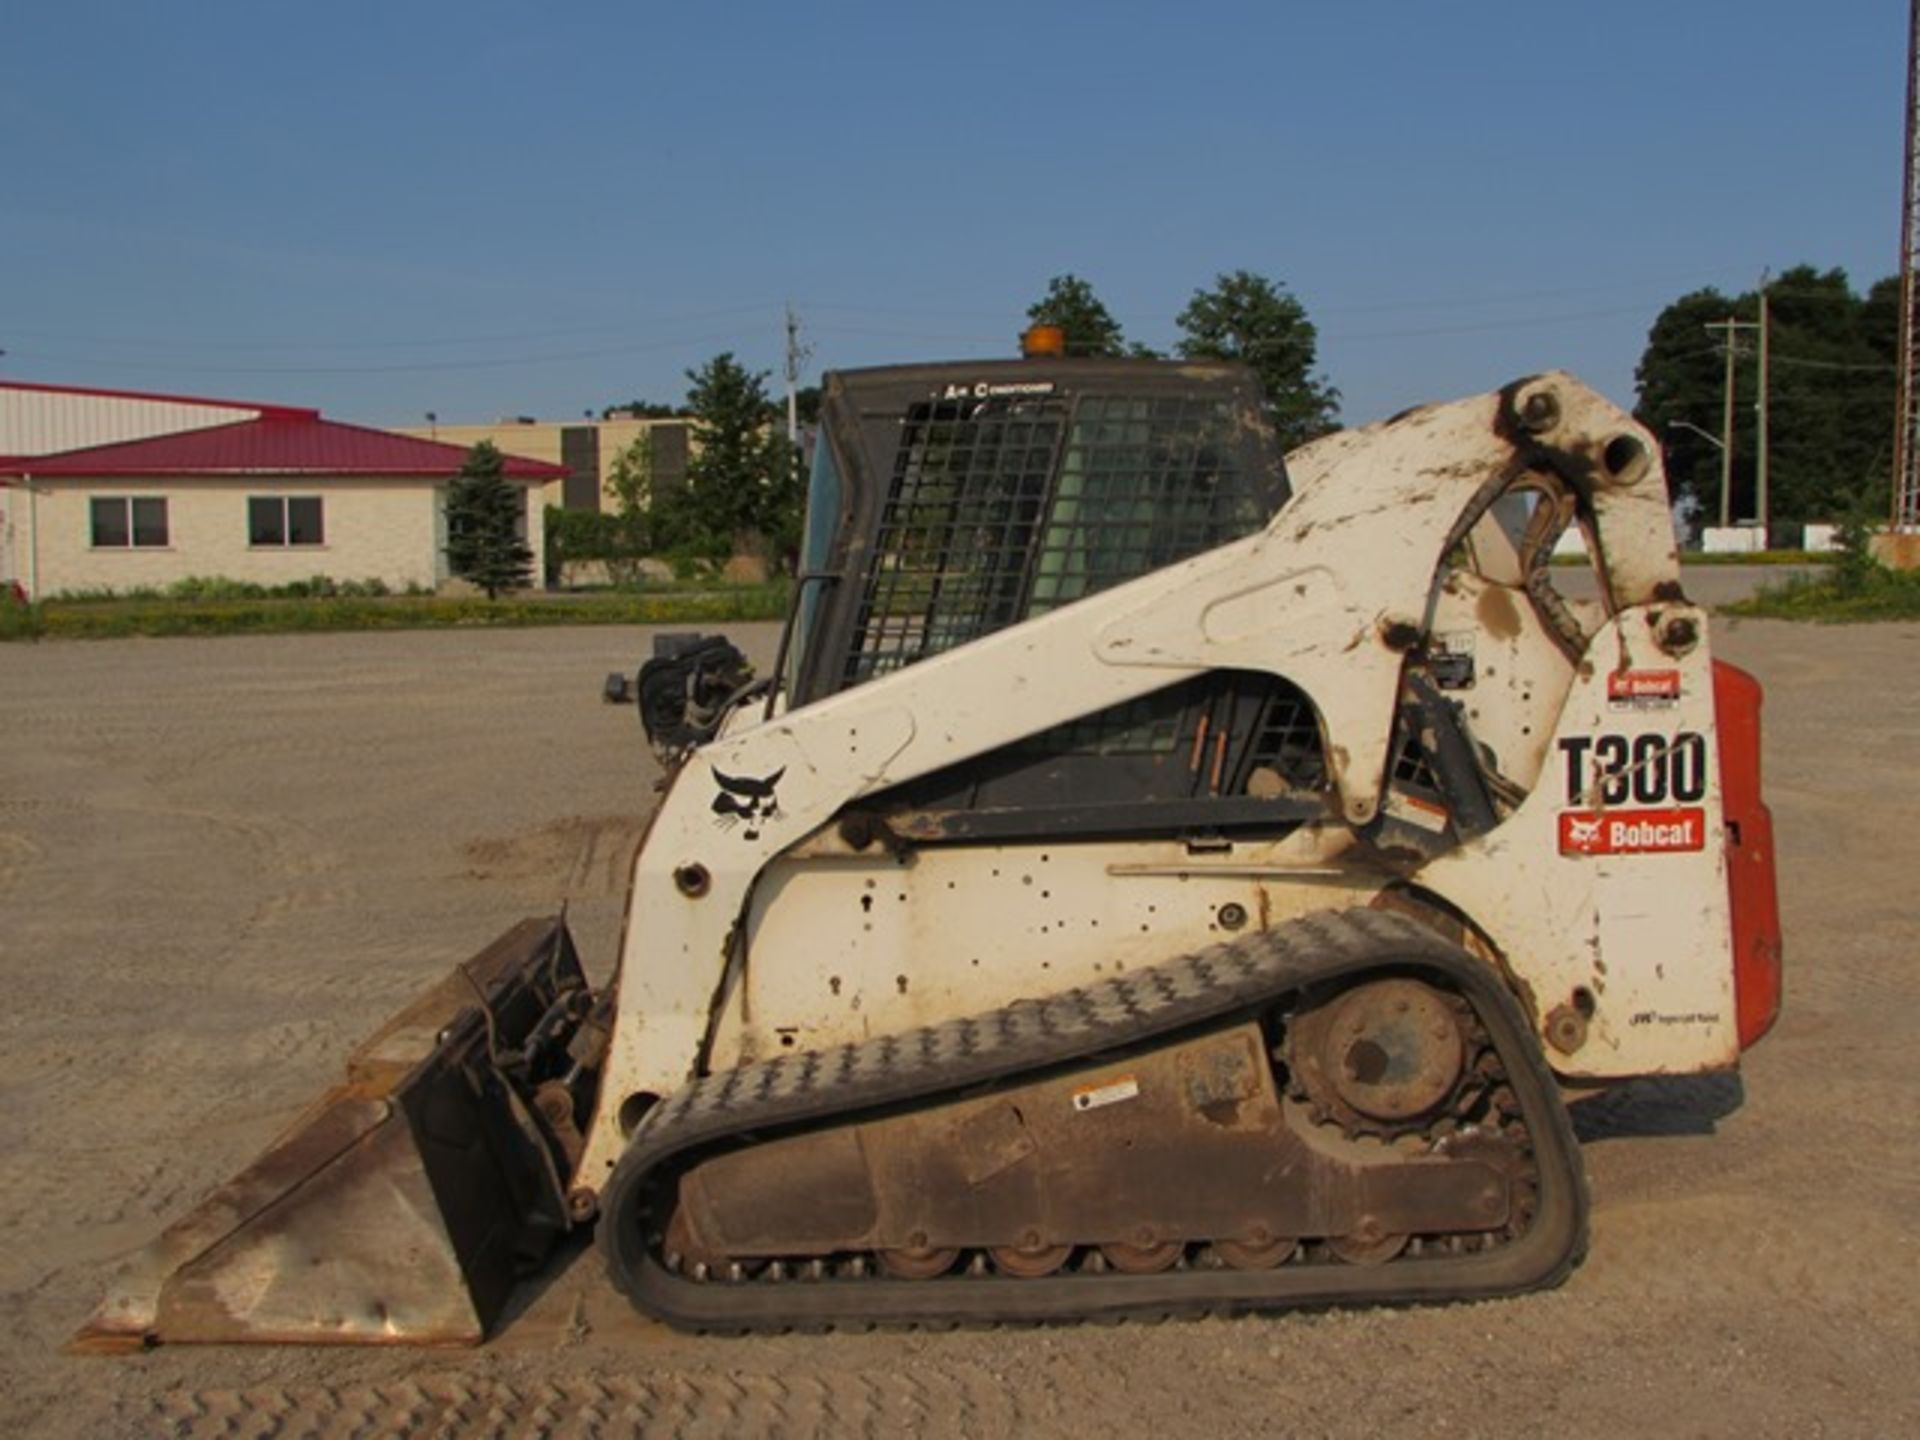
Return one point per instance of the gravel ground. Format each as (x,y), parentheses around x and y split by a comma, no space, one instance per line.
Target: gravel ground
(223,861)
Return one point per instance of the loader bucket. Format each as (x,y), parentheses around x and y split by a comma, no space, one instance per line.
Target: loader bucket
(401,1207)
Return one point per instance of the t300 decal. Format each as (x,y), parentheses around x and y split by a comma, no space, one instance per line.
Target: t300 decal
(1648,773)
(1648,769)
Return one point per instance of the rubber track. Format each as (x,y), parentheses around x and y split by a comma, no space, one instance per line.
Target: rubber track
(1224,983)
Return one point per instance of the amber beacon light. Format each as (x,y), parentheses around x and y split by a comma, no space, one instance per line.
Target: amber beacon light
(1043,341)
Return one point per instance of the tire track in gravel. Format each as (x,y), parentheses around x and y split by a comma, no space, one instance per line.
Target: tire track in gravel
(18,856)
(1753,1281)
(930,1401)
(296,872)
(581,856)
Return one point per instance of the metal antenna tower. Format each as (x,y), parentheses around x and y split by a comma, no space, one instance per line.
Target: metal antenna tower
(1906,440)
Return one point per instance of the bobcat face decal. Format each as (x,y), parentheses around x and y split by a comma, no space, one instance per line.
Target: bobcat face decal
(1583,831)
(746,801)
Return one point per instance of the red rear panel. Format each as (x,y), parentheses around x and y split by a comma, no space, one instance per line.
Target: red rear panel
(1750,884)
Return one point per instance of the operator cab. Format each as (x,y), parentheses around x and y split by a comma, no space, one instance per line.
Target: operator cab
(950,501)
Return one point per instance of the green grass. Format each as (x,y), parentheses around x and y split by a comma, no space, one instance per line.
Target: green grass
(218,587)
(19,622)
(100,617)
(1757,557)
(1841,596)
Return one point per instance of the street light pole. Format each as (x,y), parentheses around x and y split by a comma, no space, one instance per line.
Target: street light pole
(1725,449)
(1706,435)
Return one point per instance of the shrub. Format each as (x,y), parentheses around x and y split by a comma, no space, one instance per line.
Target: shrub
(100,594)
(1853,565)
(692,564)
(18,619)
(1871,592)
(207,589)
(214,587)
(619,541)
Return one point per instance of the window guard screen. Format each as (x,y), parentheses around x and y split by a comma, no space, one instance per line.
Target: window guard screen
(1001,509)
(969,490)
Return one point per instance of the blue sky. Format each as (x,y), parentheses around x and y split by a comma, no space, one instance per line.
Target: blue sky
(494,208)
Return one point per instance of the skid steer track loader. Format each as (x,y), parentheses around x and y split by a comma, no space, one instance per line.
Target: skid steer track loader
(1156,878)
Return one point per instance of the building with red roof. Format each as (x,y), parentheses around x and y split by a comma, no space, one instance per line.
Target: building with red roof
(118,490)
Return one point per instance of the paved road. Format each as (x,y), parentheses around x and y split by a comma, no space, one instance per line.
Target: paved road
(1710,585)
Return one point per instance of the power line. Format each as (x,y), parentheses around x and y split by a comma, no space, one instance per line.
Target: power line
(500,362)
(1515,323)
(248,344)
(497,363)
(508,338)
(1518,322)
(1878,368)
(1450,302)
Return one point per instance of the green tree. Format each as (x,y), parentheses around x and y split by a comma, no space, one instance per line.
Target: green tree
(484,513)
(1249,319)
(643,410)
(618,539)
(630,477)
(744,491)
(1088,325)
(1830,394)
(1681,379)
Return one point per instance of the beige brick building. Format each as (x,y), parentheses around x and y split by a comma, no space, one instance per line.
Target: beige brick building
(186,487)
(586,449)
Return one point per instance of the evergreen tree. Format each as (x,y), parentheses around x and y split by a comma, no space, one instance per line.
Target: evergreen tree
(642,410)
(1089,327)
(1247,318)
(483,524)
(744,489)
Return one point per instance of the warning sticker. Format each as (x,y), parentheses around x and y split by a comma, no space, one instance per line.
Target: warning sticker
(1415,811)
(1632,832)
(1110,1092)
(1643,689)
(1450,657)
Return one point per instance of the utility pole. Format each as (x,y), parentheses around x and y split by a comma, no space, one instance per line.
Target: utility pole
(1733,328)
(1760,509)
(1905,514)
(797,355)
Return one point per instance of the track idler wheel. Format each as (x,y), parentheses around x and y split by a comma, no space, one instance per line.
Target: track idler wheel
(1031,1260)
(1147,1259)
(920,1263)
(1380,1057)
(1367,1246)
(1265,1254)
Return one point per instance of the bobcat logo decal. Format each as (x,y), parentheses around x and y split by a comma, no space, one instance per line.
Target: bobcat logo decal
(747,802)
(1583,831)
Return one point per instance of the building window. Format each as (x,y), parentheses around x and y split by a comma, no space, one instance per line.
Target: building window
(284,520)
(120,521)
